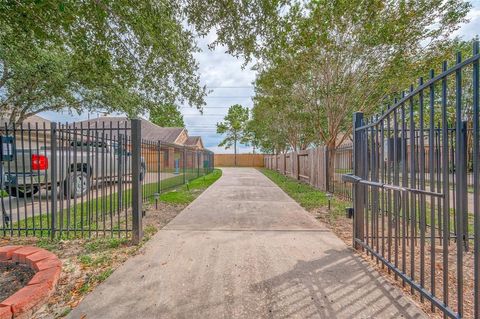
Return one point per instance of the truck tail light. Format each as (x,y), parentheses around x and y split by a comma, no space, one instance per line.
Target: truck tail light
(39,162)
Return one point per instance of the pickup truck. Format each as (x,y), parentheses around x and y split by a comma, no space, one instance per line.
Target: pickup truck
(79,166)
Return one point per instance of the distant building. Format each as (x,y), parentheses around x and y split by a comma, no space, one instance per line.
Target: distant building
(31,120)
(34,131)
(150,131)
(195,141)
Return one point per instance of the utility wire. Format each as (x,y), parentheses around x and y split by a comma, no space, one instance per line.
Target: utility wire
(230,87)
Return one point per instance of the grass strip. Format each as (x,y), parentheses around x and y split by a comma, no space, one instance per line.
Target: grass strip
(306,195)
(185,194)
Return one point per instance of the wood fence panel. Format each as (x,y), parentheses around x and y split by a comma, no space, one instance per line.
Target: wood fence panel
(243,160)
(309,166)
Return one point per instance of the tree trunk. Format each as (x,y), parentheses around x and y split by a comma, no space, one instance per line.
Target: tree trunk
(331,148)
(235,152)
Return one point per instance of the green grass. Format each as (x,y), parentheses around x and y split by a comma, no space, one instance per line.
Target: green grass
(185,194)
(104,275)
(172,182)
(88,215)
(3,193)
(307,196)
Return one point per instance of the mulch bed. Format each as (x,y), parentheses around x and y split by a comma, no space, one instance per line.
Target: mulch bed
(12,278)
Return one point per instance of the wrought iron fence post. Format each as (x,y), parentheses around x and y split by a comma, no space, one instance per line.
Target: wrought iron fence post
(184,163)
(53,177)
(476,187)
(159,167)
(136,183)
(463,186)
(197,154)
(358,167)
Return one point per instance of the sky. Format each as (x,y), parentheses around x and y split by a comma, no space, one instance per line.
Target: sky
(231,84)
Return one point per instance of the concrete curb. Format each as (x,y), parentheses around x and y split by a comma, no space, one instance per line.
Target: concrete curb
(47,269)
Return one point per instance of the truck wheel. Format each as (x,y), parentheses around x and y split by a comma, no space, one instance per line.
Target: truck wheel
(22,191)
(77,184)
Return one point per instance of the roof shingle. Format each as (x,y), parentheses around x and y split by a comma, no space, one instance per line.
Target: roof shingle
(150,131)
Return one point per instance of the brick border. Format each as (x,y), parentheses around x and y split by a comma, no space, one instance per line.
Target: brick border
(47,269)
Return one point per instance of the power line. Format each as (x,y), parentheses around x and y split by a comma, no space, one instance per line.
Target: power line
(202,127)
(201,115)
(228,97)
(230,87)
(207,107)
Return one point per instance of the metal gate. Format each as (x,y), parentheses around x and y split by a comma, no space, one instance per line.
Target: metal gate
(414,211)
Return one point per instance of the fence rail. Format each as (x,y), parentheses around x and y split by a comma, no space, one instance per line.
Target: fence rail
(82,180)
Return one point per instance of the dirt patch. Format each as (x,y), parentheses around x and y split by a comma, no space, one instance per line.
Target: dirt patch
(12,278)
(88,262)
(340,225)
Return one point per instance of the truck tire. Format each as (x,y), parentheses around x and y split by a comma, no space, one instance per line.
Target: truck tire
(22,191)
(77,184)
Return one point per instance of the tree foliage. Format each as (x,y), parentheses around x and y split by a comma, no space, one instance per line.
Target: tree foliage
(327,59)
(234,127)
(84,55)
(117,55)
(167,116)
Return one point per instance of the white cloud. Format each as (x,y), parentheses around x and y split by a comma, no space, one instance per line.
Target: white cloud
(471,29)
(219,69)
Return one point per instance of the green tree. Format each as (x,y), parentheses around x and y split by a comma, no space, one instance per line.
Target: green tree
(167,116)
(234,127)
(114,55)
(326,59)
(86,55)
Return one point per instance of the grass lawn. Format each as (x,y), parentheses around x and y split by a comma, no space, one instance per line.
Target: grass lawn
(307,196)
(185,194)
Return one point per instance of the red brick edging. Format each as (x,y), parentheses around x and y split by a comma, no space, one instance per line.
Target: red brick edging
(47,269)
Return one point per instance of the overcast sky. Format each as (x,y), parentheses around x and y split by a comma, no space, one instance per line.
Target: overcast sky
(231,84)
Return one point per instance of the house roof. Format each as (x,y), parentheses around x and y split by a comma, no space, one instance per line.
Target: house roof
(32,120)
(150,131)
(193,141)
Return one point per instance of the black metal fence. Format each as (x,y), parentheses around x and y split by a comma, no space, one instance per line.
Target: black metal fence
(416,188)
(168,166)
(84,179)
(342,163)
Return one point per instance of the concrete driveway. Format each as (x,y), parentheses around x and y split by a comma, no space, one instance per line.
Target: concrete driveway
(244,249)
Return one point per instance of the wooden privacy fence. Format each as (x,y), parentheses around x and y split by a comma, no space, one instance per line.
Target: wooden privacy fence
(243,160)
(311,166)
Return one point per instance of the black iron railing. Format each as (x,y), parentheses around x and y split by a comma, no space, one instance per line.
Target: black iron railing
(87,179)
(416,188)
